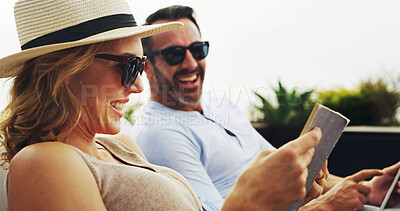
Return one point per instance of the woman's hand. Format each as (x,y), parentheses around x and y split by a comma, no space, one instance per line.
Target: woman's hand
(379,186)
(349,194)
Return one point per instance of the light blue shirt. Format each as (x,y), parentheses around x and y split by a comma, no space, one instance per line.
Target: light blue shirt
(199,146)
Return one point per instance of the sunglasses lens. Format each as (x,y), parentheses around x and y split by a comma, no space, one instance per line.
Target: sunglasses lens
(130,72)
(199,50)
(174,55)
(130,67)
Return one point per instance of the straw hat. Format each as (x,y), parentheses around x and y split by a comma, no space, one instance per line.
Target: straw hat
(45,26)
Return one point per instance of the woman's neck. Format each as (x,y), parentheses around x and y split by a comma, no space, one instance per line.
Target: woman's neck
(83,141)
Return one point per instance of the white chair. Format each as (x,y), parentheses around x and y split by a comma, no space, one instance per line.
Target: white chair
(3,189)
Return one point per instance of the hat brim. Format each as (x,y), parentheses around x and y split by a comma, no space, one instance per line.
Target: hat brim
(10,65)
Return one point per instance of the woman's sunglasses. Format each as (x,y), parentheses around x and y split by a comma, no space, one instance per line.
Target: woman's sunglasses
(130,66)
(176,54)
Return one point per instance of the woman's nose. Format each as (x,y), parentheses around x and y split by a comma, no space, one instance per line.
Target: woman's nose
(137,87)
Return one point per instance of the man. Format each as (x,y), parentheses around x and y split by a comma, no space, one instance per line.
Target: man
(208,140)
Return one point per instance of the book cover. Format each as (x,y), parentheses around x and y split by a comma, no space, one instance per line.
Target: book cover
(332,125)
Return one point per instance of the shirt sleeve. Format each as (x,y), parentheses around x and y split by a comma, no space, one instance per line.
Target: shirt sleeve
(265,145)
(173,148)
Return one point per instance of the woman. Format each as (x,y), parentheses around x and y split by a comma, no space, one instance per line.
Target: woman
(79,63)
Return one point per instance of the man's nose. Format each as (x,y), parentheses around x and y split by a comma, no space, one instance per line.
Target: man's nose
(189,62)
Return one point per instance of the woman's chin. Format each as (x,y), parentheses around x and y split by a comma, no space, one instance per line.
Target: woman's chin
(111,129)
(115,130)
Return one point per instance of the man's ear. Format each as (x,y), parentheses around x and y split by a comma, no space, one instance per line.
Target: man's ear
(148,68)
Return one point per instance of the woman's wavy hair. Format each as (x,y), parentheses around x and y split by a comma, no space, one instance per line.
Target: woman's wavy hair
(42,106)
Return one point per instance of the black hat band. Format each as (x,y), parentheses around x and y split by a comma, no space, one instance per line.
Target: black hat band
(83,30)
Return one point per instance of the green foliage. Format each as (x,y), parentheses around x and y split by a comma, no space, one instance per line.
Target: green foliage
(129,113)
(372,103)
(292,110)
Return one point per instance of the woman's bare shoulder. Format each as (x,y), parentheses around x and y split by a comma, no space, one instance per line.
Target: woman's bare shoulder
(51,174)
(49,157)
(41,153)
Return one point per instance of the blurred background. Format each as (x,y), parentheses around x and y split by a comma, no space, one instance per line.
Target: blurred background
(306,44)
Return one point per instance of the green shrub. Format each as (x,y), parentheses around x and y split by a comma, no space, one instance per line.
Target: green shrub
(372,103)
(130,113)
(292,110)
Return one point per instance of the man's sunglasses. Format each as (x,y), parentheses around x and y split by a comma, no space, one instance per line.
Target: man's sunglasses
(130,66)
(176,54)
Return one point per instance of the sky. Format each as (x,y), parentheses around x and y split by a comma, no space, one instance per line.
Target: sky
(307,44)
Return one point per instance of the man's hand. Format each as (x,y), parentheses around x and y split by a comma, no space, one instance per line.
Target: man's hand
(318,185)
(380,185)
(348,194)
(273,181)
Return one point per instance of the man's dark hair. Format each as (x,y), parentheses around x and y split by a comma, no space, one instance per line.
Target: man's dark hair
(172,13)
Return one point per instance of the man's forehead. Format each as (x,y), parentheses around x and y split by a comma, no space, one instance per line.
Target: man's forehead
(183,36)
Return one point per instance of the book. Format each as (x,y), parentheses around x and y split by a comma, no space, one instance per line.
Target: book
(332,125)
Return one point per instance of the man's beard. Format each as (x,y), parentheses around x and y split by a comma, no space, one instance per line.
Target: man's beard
(171,89)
